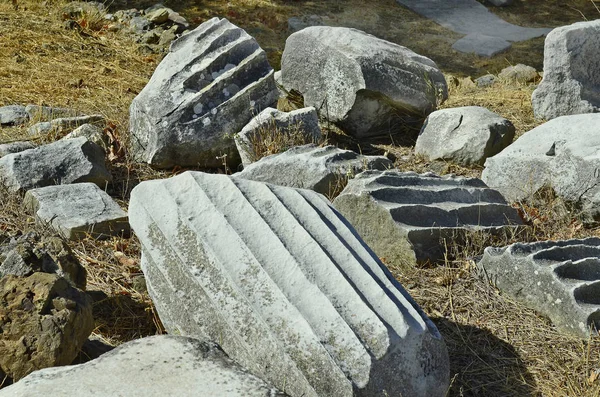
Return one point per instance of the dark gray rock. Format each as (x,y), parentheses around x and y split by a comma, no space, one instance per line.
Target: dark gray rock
(562,154)
(77,211)
(486,81)
(44,323)
(28,254)
(61,162)
(405,217)
(13,115)
(362,83)
(560,279)
(15,147)
(272,125)
(139,25)
(285,285)
(571,82)
(465,135)
(155,366)
(322,169)
(207,88)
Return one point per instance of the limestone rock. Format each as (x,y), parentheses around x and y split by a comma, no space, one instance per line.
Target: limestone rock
(285,286)
(465,135)
(28,254)
(92,132)
(405,216)
(519,73)
(64,124)
(322,169)
(571,82)
(156,366)
(560,279)
(46,113)
(562,153)
(61,162)
(271,124)
(205,90)
(15,147)
(485,81)
(362,82)
(158,16)
(78,210)
(44,323)
(13,115)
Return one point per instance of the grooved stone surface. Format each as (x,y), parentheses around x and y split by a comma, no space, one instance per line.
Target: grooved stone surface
(156,366)
(404,216)
(207,88)
(285,286)
(77,210)
(560,279)
(61,162)
(322,169)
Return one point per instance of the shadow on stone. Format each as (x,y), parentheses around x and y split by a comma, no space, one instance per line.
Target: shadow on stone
(481,364)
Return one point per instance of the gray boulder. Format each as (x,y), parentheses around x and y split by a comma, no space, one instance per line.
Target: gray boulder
(466,135)
(13,115)
(63,124)
(207,88)
(406,217)
(571,82)
(322,169)
(28,254)
(155,366)
(563,153)
(92,132)
(77,211)
(486,81)
(560,279)
(44,323)
(519,73)
(15,147)
(362,83)
(285,286)
(271,126)
(61,162)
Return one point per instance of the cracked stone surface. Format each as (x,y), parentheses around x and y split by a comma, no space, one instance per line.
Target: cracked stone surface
(405,217)
(563,153)
(560,279)
(155,366)
(77,211)
(285,285)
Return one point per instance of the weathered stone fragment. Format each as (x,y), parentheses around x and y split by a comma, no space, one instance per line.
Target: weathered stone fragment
(28,254)
(15,147)
(363,83)
(61,162)
(286,287)
(92,132)
(560,279)
(272,125)
(207,88)
(44,323)
(77,211)
(465,135)
(519,73)
(563,154)
(322,169)
(481,44)
(571,83)
(405,217)
(156,366)
(64,124)
(13,115)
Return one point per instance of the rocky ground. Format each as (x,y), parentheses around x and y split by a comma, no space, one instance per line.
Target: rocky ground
(497,347)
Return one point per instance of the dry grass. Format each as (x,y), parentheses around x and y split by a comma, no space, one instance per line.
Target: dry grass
(497,347)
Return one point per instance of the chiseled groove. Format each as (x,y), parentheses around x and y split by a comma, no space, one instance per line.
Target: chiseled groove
(418,215)
(416,180)
(587,269)
(561,254)
(193,189)
(387,309)
(588,293)
(222,185)
(411,195)
(290,232)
